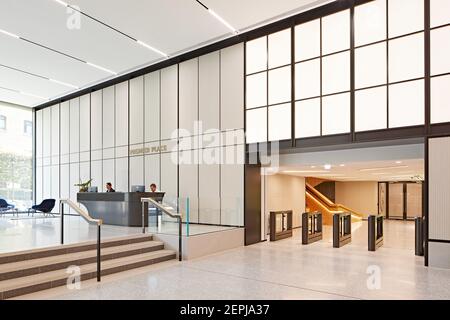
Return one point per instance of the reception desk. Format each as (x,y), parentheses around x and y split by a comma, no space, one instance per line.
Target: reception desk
(117,208)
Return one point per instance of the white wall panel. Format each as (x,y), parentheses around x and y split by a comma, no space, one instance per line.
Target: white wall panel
(96,120)
(109,116)
(122,114)
(188,99)
(55,134)
(65,130)
(47,182)
(121,174)
(169,174)
(152,106)
(232,87)
(85,123)
(85,171)
(64,181)
(46,134)
(188,183)
(55,186)
(232,188)
(209,187)
(152,170)
(74,179)
(136,171)
(137,110)
(439,202)
(74,126)
(97,174)
(108,174)
(169,101)
(209,88)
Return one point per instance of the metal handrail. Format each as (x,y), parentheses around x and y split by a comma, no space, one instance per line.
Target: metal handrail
(85,215)
(166,210)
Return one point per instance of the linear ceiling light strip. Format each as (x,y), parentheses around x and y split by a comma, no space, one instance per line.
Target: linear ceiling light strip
(140,42)
(42,77)
(24,93)
(56,51)
(218,17)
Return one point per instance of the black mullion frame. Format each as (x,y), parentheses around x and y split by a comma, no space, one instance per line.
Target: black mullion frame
(321,77)
(427,65)
(293,65)
(352,72)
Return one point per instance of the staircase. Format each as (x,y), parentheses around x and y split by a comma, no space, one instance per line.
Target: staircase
(40,269)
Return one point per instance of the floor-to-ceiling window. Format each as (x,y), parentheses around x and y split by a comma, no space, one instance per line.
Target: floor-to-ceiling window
(16,141)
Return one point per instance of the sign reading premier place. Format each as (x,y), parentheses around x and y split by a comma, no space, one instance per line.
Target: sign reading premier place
(148,150)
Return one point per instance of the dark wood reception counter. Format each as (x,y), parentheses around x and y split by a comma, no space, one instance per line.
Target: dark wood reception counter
(117,208)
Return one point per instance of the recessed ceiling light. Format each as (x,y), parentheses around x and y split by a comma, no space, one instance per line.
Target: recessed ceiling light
(32,95)
(342,165)
(142,43)
(9,34)
(101,68)
(398,162)
(62,3)
(327,166)
(382,168)
(223,21)
(313,167)
(64,83)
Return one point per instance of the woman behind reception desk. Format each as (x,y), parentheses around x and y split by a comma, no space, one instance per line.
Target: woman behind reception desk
(109,187)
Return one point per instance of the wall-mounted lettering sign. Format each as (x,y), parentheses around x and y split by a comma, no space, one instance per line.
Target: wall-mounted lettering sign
(148,150)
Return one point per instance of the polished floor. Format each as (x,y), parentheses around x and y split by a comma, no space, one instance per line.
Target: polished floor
(282,270)
(24,232)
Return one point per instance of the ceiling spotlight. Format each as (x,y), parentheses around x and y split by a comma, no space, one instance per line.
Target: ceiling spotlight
(342,165)
(398,162)
(313,167)
(327,166)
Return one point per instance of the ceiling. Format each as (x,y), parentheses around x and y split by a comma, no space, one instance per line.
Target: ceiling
(50,48)
(399,170)
(402,161)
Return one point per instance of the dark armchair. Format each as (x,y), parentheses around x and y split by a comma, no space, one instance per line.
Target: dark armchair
(5,206)
(46,207)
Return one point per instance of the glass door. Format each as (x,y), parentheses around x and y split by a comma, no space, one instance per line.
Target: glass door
(382,198)
(396,201)
(413,200)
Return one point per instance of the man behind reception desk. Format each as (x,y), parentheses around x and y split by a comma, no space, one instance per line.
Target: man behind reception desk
(153,187)
(109,187)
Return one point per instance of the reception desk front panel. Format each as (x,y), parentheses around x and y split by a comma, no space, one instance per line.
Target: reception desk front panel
(117,208)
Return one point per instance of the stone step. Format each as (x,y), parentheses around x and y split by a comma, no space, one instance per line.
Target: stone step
(47,280)
(41,265)
(71,248)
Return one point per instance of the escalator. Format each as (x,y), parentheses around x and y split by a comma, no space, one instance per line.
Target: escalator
(316,201)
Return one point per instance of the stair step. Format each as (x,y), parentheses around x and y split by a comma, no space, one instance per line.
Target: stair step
(71,248)
(47,280)
(42,265)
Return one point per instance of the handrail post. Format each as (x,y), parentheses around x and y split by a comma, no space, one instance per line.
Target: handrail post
(98,254)
(143,219)
(61,210)
(180,240)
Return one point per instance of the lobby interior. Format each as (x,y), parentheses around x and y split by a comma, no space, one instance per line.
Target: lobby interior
(296,151)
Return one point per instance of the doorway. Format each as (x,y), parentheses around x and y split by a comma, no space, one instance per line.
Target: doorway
(400,200)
